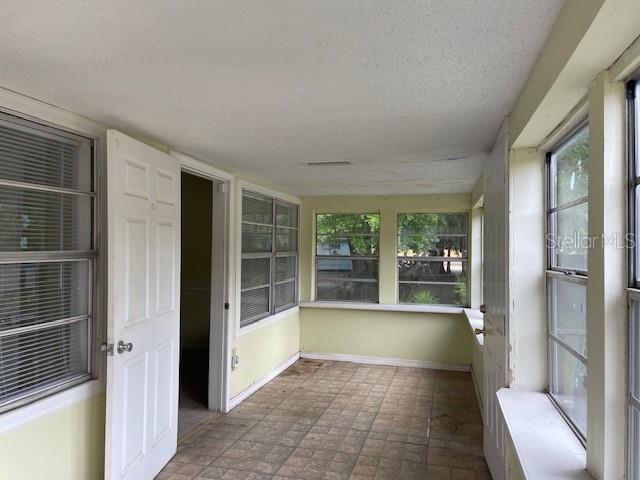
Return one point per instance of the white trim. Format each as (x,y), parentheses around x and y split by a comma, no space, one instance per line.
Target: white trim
(475,319)
(28,413)
(263,322)
(383,307)
(544,445)
(254,187)
(627,63)
(194,165)
(393,362)
(263,381)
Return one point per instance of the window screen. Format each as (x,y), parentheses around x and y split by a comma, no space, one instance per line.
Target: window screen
(269,256)
(347,257)
(432,258)
(567,201)
(47,204)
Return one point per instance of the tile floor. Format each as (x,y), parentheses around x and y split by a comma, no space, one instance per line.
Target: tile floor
(336,420)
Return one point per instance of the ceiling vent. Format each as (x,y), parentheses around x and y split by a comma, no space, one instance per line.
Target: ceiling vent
(327,164)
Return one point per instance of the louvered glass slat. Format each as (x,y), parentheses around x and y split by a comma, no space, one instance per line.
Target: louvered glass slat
(34,293)
(254,304)
(35,220)
(286,215)
(44,157)
(255,272)
(257,208)
(33,361)
(256,238)
(285,268)
(285,294)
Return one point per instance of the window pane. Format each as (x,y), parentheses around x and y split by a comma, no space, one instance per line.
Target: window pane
(345,268)
(343,279)
(35,360)
(34,293)
(286,239)
(254,304)
(347,234)
(431,271)
(346,290)
(432,234)
(33,155)
(286,215)
(568,313)
(34,220)
(285,268)
(257,208)
(285,294)
(256,238)
(255,272)
(433,294)
(570,242)
(571,163)
(568,385)
(634,443)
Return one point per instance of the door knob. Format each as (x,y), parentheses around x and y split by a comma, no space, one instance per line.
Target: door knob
(124,347)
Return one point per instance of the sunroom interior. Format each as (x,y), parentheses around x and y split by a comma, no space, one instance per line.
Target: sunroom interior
(320,240)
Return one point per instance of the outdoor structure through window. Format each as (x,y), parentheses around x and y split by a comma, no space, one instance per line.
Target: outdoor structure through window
(347,247)
(566,240)
(432,258)
(269,269)
(47,260)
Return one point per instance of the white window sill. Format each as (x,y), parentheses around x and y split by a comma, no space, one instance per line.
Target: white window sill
(543,443)
(21,416)
(263,322)
(383,307)
(475,318)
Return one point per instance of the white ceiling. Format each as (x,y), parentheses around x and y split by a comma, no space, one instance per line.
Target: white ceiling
(262,87)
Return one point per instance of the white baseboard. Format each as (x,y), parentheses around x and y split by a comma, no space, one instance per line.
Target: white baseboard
(394,362)
(239,398)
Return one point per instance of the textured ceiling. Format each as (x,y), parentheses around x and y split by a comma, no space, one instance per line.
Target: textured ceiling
(262,87)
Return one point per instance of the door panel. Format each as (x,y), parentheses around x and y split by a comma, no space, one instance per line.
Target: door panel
(143,306)
(496,301)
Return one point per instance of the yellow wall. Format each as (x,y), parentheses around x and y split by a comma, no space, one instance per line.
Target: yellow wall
(414,336)
(66,445)
(429,337)
(263,350)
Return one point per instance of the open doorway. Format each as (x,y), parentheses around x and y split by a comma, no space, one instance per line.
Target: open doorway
(201,293)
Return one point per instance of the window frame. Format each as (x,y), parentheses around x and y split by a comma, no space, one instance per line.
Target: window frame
(572,275)
(273,255)
(465,260)
(317,257)
(632,89)
(17,406)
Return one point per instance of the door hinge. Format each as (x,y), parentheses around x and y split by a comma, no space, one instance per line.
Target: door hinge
(107,348)
(226,305)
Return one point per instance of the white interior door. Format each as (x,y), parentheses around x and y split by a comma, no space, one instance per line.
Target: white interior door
(144,308)
(495,286)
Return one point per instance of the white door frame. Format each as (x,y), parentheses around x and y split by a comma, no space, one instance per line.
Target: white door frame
(219,316)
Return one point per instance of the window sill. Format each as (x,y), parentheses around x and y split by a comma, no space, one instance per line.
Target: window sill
(383,307)
(544,445)
(22,416)
(475,318)
(263,322)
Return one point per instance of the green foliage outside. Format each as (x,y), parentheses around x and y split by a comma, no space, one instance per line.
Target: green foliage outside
(425,297)
(360,230)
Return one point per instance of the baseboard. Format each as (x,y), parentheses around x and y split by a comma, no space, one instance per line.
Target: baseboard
(476,387)
(394,362)
(239,398)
